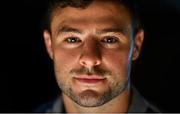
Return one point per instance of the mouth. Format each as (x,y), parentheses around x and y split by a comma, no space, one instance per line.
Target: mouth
(89,79)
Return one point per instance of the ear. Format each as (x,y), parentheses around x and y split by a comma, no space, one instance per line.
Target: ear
(48,43)
(138,44)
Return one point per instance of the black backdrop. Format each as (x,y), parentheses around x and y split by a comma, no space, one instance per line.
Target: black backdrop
(26,72)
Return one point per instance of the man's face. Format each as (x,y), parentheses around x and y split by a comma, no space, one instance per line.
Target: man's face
(92,50)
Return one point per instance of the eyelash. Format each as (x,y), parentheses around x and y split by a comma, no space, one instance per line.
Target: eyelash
(72,40)
(107,40)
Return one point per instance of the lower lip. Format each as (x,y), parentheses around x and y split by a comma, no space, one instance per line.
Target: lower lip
(89,81)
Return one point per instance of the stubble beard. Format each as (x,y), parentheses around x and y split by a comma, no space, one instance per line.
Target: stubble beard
(89,97)
(92,98)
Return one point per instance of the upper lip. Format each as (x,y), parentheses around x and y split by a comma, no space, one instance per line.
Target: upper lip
(90,77)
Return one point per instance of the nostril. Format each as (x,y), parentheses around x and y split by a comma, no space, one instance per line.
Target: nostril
(98,62)
(90,55)
(90,61)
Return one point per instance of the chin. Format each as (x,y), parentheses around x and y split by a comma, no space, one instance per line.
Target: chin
(91,98)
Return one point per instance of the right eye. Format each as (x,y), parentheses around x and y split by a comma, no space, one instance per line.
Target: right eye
(72,40)
(110,40)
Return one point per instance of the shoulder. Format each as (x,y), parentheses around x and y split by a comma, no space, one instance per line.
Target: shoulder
(140,104)
(54,105)
(45,107)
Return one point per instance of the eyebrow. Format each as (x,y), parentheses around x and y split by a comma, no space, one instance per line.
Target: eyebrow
(69,29)
(124,31)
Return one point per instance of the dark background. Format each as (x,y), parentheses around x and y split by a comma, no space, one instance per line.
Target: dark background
(26,71)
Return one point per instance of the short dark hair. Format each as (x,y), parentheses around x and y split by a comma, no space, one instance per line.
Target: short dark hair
(131,6)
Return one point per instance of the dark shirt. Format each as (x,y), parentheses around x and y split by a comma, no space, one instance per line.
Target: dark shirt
(137,105)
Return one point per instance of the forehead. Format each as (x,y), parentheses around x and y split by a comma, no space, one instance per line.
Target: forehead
(98,13)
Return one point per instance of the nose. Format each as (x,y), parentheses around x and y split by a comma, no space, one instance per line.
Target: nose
(91,55)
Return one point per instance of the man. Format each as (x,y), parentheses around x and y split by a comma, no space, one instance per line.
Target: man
(92,44)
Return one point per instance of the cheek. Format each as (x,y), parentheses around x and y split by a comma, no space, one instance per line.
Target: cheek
(64,61)
(117,61)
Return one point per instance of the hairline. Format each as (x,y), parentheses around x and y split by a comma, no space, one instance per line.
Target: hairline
(135,21)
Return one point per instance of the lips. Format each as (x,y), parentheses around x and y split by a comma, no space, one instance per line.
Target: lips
(89,79)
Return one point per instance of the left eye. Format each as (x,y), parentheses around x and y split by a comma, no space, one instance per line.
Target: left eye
(109,40)
(72,40)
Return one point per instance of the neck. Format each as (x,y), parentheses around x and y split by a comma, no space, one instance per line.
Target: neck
(118,104)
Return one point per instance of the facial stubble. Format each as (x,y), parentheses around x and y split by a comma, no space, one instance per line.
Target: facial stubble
(93,98)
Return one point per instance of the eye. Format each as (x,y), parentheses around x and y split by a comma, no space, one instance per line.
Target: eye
(109,40)
(72,40)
